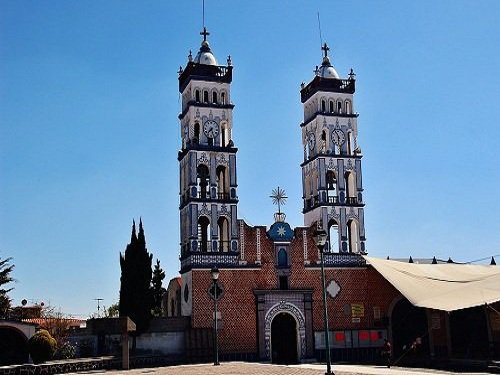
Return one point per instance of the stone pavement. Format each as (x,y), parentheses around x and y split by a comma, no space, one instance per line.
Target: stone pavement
(243,368)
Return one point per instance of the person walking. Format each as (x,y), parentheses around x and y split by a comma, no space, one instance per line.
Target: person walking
(387,351)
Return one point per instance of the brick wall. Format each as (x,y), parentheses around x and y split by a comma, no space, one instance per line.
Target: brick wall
(238,334)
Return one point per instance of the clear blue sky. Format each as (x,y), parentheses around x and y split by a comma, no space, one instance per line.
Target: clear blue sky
(89,131)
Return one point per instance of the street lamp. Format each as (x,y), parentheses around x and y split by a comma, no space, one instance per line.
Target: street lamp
(215,276)
(320,237)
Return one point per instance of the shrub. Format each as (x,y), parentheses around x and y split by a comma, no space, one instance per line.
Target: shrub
(41,346)
(65,350)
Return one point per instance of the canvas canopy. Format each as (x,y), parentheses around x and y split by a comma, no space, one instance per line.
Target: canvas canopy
(445,287)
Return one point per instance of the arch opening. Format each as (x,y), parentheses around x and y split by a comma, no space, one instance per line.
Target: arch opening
(222,183)
(202,177)
(203,234)
(331,186)
(282,258)
(13,347)
(412,340)
(352,236)
(333,236)
(223,227)
(196,137)
(284,339)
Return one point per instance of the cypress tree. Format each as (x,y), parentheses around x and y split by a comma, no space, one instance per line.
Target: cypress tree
(135,291)
(157,288)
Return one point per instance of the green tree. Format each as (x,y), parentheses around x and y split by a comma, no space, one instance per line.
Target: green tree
(157,288)
(135,289)
(112,311)
(5,278)
(42,346)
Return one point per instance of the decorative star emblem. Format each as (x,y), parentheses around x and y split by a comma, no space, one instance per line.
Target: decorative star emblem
(281,231)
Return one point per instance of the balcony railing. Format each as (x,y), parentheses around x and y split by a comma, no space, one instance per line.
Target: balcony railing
(333,199)
(206,72)
(223,196)
(344,260)
(201,259)
(206,196)
(352,200)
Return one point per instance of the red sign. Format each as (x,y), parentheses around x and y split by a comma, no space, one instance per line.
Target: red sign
(364,335)
(339,336)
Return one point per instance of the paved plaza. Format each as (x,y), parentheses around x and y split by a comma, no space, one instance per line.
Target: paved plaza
(237,368)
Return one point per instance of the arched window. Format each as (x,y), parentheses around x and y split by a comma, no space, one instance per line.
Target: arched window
(332,106)
(203,234)
(352,236)
(350,179)
(349,143)
(333,236)
(222,183)
(214,97)
(339,106)
(197,95)
(323,106)
(196,137)
(323,141)
(331,186)
(223,226)
(202,181)
(223,97)
(282,258)
(205,96)
(223,136)
(348,109)
(314,190)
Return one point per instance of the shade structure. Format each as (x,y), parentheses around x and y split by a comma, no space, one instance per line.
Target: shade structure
(445,287)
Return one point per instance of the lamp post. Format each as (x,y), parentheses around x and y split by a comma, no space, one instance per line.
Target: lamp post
(215,276)
(320,237)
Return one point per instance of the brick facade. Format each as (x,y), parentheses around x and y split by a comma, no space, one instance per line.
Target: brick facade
(242,330)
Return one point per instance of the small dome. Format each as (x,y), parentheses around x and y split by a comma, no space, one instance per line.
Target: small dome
(326,70)
(205,55)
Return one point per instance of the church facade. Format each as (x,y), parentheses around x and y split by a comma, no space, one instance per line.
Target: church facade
(269,292)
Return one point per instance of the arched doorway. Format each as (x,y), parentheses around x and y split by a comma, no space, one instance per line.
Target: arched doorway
(13,347)
(469,333)
(284,339)
(409,330)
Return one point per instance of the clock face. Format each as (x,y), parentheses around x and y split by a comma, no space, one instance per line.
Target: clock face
(312,141)
(211,128)
(338,137)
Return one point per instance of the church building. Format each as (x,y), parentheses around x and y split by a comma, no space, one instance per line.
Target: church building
(269,290)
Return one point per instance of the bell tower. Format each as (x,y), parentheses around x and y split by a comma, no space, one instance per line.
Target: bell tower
(331,171)
(207,162)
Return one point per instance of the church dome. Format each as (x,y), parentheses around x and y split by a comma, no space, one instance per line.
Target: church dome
(326,70)
(205,55)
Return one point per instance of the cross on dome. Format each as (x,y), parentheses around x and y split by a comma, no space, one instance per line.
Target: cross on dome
(204,33)
(325,48)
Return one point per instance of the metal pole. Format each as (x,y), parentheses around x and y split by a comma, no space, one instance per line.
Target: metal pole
(216,346)
(325,315)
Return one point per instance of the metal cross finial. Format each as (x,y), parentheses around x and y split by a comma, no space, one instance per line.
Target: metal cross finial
(204,33)
(326,49)
(279,197)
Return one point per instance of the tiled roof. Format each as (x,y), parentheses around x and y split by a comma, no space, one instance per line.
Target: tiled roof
(48,322)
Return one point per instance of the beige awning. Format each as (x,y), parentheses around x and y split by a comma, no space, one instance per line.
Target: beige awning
(445,287)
